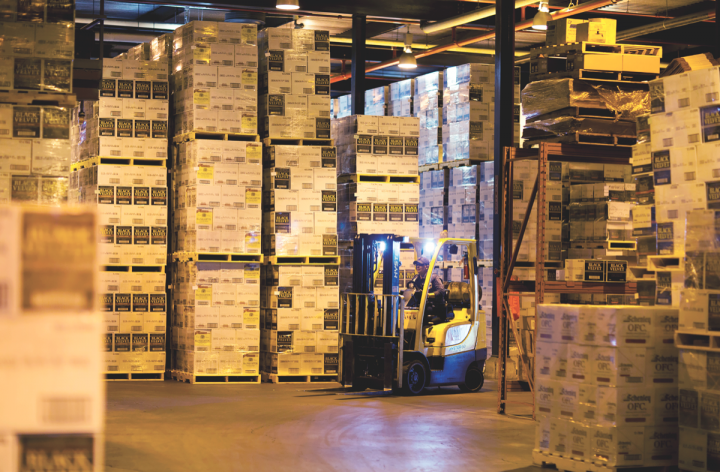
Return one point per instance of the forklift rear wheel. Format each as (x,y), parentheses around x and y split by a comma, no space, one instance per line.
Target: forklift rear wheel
(415,378)
(474,380)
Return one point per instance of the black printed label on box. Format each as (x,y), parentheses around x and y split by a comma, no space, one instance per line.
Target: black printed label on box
(411,146)
(143,89)
(518,189)
(141,195)
(107,302)
(322,128)
(713,195)
(160,90)
(276,60)
(282,178)
(157,342)
(709,409)
(331,320)
(157,302)
(125,88)
(330,244)
(27,73)
(108,87)
(555,211)
(140,302)
(329,157)
(276,105)
(714,312)
(712,271)
(380,211)
(380,145)
(158,196)
(122,302)
(476,93)
(57,75)
(322,84)
(555,171)
(56,123)
(106,195)
(108,341)
(616,271)
(123,195)
(122,342)
(60,11)
(284,341)
(594,271)
(665,239)
(282,222)
(363,144)
(395,146)
(141,235)
(159,129)
(331,276)
(139,342)
(657,97)
(476,131)
(123,234)
(396,212)
(411,212)
(124,128)
(26,122)
(329,200)
(142,128)
(107,234)
(710,118)
(106,127)
(364,211)
(688,408)
(331,362)
(158,235)
(322,40)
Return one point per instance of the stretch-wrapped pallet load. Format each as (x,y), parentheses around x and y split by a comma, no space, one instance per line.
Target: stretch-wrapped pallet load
(216,319)
(215,78)
(468,117)
(428,107)
(377,100)
(606,385)
(401,98)
(299,317)
(294,83)
(300,201)
(433,215)
(53,415)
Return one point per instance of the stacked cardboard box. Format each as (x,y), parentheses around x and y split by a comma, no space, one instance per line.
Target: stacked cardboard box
(36,52)
(300,319)
(598,396)
(486,201)
(295,83)
(401,98)
(53,408)
(216,318)
(377,100)
(215,77)
(428,107)
(300,201)
(433,204)
(341,107)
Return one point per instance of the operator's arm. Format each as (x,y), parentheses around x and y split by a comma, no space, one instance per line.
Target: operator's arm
(436,286)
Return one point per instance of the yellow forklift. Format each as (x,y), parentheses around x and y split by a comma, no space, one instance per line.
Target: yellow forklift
(393,341)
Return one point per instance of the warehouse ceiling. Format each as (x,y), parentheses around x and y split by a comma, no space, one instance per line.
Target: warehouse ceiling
(128,24)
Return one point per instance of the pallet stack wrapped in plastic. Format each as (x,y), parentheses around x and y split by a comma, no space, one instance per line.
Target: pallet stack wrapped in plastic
(300,294)
(217,198)
(606,386)
(428,107)
(401,98)
(341,107)
(37,47)
(120,143)
(434,211)
(377,101)
(53,410)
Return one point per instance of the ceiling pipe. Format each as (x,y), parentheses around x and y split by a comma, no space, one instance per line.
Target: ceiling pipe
(399,44)
(585,7)
(666,24)
(468,18)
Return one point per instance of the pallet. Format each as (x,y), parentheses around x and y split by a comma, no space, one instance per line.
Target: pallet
(38,97)
(298,142)
(666,263)
(583,47)
(285,379)
(598,76)
(217,257)
(134,268)
(124,161)
(394,179)
(136,376)
(304,260)
(546,460)
(194,135)
(580,112)
(586,138)
(697,340)
(214,379)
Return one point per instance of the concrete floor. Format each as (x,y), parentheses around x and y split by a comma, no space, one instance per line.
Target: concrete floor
(169,426)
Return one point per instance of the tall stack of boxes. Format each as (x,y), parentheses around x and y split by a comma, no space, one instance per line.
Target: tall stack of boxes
(433,207)
(401,98)
(215,77)
(378,175)
(37,47)
(50,325)
(428,107)
(377,101)
(606,386)
(341,107)
(294,83)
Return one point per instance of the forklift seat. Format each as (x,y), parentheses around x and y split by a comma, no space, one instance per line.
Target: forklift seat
(457,294)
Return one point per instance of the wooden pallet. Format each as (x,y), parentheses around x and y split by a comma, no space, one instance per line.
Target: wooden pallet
(134,376)
(133,268)
(215,379)
(583,47)
(697,340)
(285,379)
(217,257)
(38,97)
(597,76)
(298,142)
(395,179)
(193,135)
(581,112)
(586,138)
(546,460)
(666,263)
(304,260)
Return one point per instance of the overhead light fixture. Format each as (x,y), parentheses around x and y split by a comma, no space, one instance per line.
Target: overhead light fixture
(407,59)
(287,4)
(542,17)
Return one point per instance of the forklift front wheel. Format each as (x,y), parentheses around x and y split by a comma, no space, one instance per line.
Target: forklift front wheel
(474,380)
(415,378)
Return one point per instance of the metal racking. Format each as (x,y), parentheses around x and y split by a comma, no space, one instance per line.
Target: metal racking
(504,285)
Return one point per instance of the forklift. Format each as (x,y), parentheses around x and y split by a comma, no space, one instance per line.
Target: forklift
(406,342)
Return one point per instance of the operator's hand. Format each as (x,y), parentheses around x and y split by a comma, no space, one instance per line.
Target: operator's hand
(431,295)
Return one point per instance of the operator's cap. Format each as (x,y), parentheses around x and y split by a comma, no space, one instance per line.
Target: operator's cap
(423,261)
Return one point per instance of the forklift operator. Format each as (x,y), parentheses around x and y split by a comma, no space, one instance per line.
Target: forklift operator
(435,288)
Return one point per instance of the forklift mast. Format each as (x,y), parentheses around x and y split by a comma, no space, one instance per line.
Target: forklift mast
(371,251)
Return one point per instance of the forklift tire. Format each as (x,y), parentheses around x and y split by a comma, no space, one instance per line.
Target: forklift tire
(414,378)
(474,380)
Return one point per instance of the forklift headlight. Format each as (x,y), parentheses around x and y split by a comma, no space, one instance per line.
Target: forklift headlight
(429,247)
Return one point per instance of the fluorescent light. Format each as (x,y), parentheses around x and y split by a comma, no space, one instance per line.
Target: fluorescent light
(287,4)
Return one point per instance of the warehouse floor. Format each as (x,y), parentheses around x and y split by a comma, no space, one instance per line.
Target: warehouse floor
(169,426)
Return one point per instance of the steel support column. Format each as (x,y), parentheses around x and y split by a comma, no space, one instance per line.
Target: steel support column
(504,107)
(357,85)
